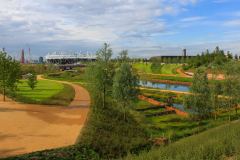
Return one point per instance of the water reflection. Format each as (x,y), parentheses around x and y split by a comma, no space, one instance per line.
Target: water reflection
(172,87)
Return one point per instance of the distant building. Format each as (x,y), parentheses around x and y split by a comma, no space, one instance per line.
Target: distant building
(184,52)
(22,57)
(184,55)
(68,58)
(40,60)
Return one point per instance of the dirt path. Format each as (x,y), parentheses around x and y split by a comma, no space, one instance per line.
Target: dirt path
(26,128)
(168,108)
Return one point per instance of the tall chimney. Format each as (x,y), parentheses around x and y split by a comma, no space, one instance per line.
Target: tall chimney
(184,52)
(22,57)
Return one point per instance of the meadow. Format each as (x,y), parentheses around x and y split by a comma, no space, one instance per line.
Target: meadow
(217,143)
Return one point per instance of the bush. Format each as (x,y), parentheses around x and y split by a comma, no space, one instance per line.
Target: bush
(111,136)
(67,153)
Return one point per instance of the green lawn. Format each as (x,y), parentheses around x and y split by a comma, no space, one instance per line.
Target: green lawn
(166,68)
(169,68)
(46,92)
(143,67)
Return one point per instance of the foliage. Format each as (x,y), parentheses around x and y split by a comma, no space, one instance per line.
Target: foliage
(125,86)
(156,67)
(78,152)
(217,57)
(106,131)
(218,143)
(9,73)
(32,80)
(232,85)
(100,76)
(199,100)
(108,134)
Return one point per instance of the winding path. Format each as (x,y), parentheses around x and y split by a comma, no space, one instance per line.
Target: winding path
(26,128)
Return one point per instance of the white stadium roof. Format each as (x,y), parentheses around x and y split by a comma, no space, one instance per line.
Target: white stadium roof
(62,55)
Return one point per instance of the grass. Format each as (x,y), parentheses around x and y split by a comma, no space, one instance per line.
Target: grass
(78,76)
(46,92)
(173,126)
(218,143)
(166,68)
(168,78)
(143,67)
(170,68)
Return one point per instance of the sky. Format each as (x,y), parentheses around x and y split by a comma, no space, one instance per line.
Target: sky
(144,27)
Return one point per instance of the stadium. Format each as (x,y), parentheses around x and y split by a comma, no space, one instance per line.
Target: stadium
(62,58)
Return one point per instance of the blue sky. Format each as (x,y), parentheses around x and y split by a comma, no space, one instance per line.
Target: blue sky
(144,27)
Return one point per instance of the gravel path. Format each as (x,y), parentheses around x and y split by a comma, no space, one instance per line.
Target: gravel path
(26,128)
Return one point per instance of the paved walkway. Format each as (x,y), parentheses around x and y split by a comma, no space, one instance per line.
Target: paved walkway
(26,128)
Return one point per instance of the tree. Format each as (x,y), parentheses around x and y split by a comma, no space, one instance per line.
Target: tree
(32,80)
(215,89)
(232,85)
(123,56)
(199,99)
(100,76)
(125,86)
(9,73)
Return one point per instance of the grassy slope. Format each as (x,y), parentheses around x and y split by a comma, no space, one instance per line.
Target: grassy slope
(218,143)
(46,92)
(142,67)
(169,78)
(146,68)
(173,126)
(169,68)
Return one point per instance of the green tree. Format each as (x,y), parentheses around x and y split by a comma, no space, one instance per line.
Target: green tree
(32,80)
(125,86)
(9,73)
(215,89)
(232,85)
(123,56)
(100,76)
(199,99)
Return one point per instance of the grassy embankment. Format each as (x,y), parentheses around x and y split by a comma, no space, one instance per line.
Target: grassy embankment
(46,92)
(165,68)
(218,143)
(167,73)
(172,126)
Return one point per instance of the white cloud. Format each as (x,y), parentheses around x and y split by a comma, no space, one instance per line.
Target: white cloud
(233,23)
(192,19)
(85,20)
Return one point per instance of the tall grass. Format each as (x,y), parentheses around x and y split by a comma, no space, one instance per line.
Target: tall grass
(111,136)
(218,143)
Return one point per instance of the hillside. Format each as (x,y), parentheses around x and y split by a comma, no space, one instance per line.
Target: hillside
(218,143)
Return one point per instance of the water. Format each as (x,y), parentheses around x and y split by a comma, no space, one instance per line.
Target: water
(172,87)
